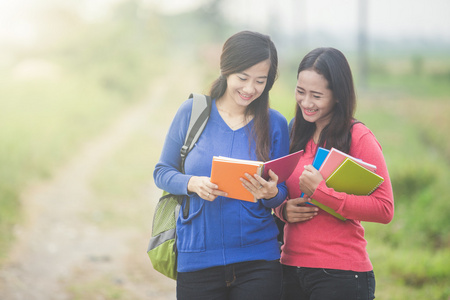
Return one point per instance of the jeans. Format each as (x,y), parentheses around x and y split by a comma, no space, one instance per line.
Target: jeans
(327,284)
(258,280)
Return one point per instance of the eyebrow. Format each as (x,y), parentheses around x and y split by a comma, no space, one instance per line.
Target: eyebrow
(298,87)
(243,73)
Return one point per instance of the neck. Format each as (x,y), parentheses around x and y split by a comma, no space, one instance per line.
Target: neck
(233,115)
(230,108)
(317,132)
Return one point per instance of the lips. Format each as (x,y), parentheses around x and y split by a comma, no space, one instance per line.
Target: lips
(245,96)
(310,112)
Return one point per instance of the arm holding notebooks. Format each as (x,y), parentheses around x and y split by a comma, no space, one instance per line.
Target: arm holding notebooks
(376,207)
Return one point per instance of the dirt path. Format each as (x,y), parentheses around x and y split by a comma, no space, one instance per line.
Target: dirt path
(56,247)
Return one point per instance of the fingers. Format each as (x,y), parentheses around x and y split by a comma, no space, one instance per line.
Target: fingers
(252,184)
(208,196)
(298,211)
(204,188)
(310,168)
(257,181)
(212,194)
(273,176)
(259,187)
(309,180)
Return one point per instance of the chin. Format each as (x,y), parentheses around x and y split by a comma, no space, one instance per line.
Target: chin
(309,119)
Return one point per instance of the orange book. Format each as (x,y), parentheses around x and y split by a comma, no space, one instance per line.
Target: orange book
(226,173)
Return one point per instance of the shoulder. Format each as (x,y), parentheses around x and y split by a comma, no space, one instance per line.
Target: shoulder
(360,130)
(359,126)
(276,116)
(186,106)
(183,114)
(362,136)
(278,123)
(180,121)
(278,126)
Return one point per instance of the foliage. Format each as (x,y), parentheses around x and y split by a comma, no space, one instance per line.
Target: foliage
(48,112)
(408,114)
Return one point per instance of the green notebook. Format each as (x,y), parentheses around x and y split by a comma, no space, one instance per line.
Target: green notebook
(352,178)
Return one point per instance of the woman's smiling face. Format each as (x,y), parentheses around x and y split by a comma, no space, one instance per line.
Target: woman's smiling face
(314,98)
(248,85)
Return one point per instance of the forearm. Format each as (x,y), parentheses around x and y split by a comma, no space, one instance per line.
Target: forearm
(378,207)
(278,199)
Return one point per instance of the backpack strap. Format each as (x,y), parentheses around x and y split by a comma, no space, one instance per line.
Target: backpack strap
(201,109)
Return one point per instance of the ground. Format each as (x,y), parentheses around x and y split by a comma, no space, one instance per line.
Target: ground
(59,255)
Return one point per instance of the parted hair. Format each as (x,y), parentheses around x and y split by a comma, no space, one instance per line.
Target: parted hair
(333,66)
(240,52)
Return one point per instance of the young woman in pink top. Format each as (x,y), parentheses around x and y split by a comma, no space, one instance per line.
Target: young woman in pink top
(324,257)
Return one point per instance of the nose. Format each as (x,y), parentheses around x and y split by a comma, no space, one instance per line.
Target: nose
(306,102)
(249,87)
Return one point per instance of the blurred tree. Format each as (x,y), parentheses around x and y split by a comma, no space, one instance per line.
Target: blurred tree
(212,13)
(417,64)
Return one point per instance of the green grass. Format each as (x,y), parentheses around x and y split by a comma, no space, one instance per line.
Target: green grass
(101,70)
(411,254)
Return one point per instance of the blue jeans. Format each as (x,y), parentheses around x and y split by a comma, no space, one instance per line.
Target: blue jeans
(258,280)
(317,284)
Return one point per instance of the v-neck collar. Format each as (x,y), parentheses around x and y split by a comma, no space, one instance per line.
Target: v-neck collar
(216,110)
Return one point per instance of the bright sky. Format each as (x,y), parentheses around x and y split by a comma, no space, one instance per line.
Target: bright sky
(387,18)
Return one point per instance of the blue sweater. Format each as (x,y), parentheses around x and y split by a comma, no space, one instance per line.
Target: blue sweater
(223,231)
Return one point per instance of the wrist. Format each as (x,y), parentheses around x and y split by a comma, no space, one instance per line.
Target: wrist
(190,188)
(272,195)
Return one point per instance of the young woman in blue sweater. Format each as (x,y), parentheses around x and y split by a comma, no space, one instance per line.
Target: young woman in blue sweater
(227,248)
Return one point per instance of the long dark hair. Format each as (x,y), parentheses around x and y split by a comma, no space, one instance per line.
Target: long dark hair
(240,52)
(334,67)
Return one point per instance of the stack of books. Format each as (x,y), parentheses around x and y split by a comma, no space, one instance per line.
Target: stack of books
(345,173)
(341,172)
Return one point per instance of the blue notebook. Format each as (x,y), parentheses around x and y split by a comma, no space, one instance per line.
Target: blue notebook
(321,154)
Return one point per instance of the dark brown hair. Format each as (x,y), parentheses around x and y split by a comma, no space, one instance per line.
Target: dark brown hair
(334,67)
(240,52)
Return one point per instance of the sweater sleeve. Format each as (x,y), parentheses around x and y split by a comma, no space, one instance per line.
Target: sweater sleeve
(279,148)
(167,173)
(376,207)
(278,211)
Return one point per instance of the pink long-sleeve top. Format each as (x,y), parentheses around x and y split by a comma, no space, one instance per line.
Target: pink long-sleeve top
(325,241)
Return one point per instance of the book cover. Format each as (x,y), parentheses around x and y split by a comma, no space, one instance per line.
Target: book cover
(352,178)
(320,157)
(226,173)
(335,158)
(283,166)
(327,209)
